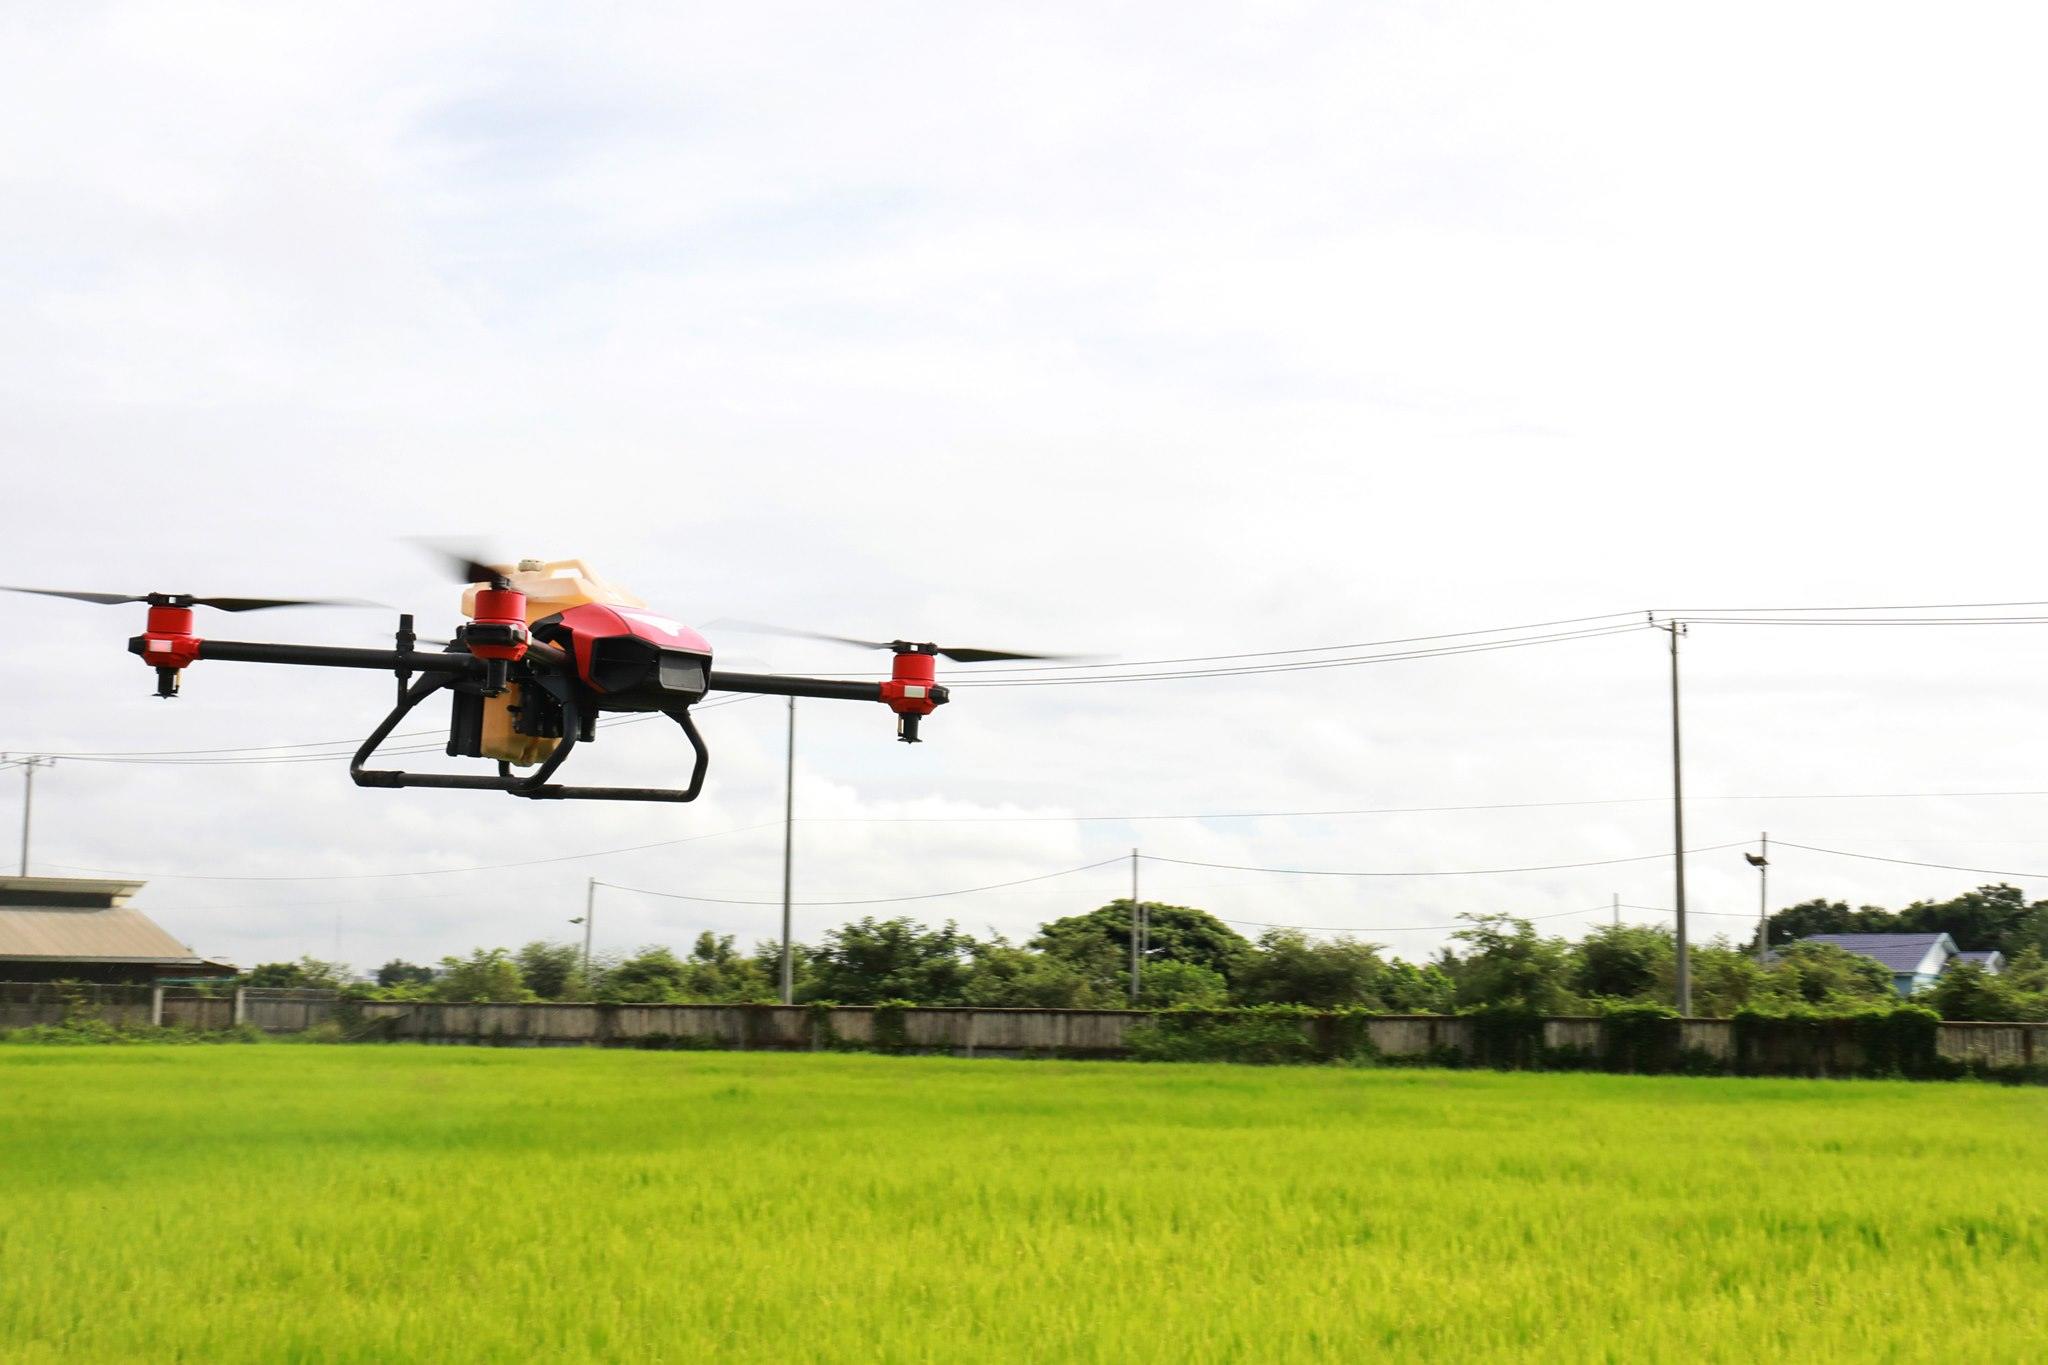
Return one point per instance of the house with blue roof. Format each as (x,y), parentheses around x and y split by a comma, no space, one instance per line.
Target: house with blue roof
(1916,961)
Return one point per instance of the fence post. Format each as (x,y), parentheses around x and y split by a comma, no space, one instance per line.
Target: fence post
(156,1006)
(241,1006)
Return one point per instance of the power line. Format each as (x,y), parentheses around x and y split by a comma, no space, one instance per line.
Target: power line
(873,900)
(423,872)
(1630,616)
(1866,621)
(337,749)
(1893,606)
(1401,928)
(1388,810)
(1460,872)
(1352,661)
(1911,862)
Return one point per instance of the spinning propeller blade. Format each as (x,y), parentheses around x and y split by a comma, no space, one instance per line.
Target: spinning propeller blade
(104,598)
(185,600)
(462,561)
(959,654)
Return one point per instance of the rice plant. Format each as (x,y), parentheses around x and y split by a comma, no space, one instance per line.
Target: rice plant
(338,1204)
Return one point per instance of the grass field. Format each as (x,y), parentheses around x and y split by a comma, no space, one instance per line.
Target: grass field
(302,1203)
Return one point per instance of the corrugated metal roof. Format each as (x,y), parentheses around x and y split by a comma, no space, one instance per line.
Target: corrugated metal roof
(1900,953)
(108,932)
(44,893)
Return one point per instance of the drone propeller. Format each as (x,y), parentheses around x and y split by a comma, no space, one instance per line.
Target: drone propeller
(165,599)
(959,654)
(461,561)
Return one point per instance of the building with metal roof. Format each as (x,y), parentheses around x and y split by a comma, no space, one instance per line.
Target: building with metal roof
(1990,959)
(1916,961)
(83,929)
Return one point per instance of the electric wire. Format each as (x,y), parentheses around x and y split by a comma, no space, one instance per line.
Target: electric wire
(1313,665)
(337,749)
(1459,872)
(1399,928)
(1389,810)
(1912,862)
(1630,616)
(871,900)
(422,872)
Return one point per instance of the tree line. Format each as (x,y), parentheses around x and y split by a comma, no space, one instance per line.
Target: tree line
(1196,960)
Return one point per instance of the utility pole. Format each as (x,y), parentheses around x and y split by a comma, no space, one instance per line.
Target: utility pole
(1684,983)
(1617,909)
(788,973)
(28,764)
(1137,968)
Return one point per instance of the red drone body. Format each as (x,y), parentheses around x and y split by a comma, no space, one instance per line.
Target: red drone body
(547,647)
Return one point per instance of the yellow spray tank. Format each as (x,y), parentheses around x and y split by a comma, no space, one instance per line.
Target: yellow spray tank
(550,586)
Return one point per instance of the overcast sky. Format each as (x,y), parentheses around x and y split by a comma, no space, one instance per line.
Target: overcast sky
(1138,330)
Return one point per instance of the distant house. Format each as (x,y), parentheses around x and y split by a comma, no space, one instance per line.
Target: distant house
(82,929)
(1990,959)
(1916,961)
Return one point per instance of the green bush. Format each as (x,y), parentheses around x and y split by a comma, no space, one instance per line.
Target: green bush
(1903,1041)
(1641,1038)
(1507,1039)
(1260,1037)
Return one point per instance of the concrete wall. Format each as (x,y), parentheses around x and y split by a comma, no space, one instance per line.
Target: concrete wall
(1995,1045)
(960,1031)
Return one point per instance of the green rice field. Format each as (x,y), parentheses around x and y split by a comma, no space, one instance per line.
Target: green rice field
(387,1203)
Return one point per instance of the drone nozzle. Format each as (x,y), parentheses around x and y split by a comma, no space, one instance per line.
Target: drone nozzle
(167,681)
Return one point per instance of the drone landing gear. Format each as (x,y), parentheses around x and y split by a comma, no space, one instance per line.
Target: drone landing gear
(535,786)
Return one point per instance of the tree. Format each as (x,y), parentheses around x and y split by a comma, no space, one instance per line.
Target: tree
(1506,966)
(1823,974)
(487,974)
(1989,917)
(652,976)
(1409,989)
(1967,991)
(307,974)
(1726,978)
(1002,975)
(1290,968)
(1163,985)
(897,959)
(1178,933)
(717,971)
(398,972)
(1829,917)
(552,971)
(1626,962)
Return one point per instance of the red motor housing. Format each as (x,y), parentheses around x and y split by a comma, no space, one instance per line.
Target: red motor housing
(909,689)
(498,629)
(912,690)
(168,641)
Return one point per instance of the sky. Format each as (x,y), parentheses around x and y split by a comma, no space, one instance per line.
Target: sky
(1140,331)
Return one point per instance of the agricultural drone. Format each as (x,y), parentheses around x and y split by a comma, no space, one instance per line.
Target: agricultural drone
(548,647)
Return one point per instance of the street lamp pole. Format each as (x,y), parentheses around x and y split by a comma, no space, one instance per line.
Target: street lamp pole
(1137,932)
(1761,861)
